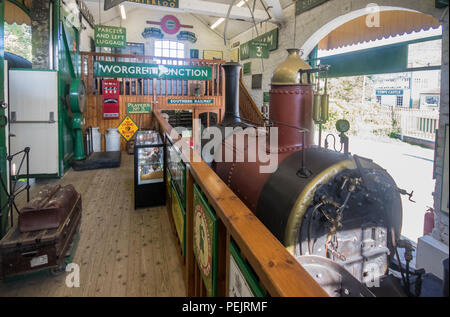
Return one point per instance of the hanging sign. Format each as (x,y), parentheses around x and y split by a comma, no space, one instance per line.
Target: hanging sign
(139,107)
(189,101)
(306,5)
(170,24)
(271,38)
(163,3)
(127,128)
(258,50)
(141,70)
(110,36)
(205,242)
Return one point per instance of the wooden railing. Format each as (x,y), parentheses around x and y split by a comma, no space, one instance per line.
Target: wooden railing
(417,123)
(247,107)
(153,86)
(278,272)
(158,92)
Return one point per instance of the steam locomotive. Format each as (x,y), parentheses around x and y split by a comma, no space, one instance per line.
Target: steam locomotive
(339,214)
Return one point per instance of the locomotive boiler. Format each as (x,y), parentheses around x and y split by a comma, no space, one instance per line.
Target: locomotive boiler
(329,209)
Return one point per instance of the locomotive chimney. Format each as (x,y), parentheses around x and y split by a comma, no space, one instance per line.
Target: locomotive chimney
(291,102)
(232,74)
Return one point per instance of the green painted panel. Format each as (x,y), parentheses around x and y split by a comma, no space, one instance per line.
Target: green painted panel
(205,241)
(306,5)
(189,101)
(378,60)
(110,36)
(270,38)
(247,68)
(179,218)
(258,50)
(139,107)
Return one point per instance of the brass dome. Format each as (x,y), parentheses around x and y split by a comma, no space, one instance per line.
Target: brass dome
(287,73)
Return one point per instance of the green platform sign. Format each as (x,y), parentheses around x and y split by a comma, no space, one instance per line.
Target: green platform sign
(270,38)
(306,5)
(161,3)
(139,107)
(189,101)
(205,241)
(140,70)
(258,50)
(110,36)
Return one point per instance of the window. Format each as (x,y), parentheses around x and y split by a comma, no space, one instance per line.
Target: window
(172,49)
(379,100)
(131,49)
(399,101)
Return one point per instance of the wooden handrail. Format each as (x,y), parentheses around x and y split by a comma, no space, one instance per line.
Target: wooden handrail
(247,107)
(278,271)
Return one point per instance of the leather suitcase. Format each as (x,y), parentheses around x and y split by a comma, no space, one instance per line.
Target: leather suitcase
(26,252)
(48,209)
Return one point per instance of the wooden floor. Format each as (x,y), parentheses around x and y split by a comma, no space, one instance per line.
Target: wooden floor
(122,252)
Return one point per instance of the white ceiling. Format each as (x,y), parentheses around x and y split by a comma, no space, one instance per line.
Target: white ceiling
(235,26)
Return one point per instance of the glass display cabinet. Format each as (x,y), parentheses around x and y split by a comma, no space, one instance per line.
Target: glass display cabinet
(149,185)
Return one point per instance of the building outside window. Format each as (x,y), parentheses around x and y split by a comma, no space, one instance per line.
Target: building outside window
(171,49)
(399,102)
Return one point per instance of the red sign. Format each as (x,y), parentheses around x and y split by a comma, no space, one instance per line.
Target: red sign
(170,24)
(111,92)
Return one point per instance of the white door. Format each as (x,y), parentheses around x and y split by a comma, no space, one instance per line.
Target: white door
(34,119)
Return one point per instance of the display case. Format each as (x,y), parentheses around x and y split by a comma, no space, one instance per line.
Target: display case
(177,170)
(149,185)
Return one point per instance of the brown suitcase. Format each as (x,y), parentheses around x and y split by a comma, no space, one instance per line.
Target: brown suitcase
(28,252)
(48,209)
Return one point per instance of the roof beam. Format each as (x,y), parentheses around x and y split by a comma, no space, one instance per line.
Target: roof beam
(276,9)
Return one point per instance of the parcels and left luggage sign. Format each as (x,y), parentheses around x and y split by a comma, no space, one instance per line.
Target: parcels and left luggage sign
(110,36)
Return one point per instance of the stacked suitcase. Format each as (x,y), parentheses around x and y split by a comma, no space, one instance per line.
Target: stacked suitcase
(43,234)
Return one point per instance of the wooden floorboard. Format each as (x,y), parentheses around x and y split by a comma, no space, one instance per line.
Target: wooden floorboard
(122,251)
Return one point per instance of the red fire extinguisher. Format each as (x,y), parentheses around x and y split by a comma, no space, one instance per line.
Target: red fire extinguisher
(428,223)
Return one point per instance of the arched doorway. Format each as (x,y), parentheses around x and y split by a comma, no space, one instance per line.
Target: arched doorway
(336,14)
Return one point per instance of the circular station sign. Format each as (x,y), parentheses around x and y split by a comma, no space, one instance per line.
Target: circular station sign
(170,24)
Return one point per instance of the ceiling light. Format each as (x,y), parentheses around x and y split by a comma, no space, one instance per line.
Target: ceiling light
(219,21)
(216,24)
(122,12)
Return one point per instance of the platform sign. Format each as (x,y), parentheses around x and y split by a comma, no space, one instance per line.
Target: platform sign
(258,50)
(270,38)
(189,101)
(179,217)
(242,282)
(139,107)
(306,5)
(110,36)
(141,70)
(127,128)
(205,242)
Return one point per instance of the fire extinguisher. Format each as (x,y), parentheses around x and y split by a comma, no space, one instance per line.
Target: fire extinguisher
(428,223)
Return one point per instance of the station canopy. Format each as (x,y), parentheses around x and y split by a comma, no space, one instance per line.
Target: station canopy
(18,12)
(392,23)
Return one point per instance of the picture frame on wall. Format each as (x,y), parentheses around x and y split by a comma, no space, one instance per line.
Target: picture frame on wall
(234,55)
(257,81)
(210,54)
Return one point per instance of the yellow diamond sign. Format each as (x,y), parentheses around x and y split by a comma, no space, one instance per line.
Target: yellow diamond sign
(127,128)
